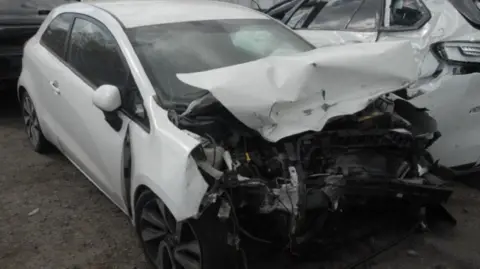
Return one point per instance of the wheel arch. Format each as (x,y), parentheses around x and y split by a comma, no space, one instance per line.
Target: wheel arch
(25,82)
(20,91)
(139,190)
(142,183)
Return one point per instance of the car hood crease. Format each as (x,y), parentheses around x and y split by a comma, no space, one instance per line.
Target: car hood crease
(280,96)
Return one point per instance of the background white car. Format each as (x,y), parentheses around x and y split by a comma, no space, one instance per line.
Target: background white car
(446,37)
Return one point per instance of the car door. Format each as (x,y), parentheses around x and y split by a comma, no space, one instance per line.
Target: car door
(46,58)
(94,59)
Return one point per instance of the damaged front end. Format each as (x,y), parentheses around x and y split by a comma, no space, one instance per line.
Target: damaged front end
(379,152)
(295,143)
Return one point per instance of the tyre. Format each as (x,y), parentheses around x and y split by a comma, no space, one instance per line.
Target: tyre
(32,126)
(191,244)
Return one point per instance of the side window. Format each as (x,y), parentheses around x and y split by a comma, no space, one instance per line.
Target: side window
(55,36)
(335,15)
(355,15)
(407,13)
(95,55)
(367,16)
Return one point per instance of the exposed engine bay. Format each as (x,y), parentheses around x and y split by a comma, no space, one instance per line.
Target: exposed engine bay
(379,152)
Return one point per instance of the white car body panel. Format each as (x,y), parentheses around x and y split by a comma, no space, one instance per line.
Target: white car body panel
(76,127)
(162,161)
(450,99)
(453,102)
(304,91)
(29,80)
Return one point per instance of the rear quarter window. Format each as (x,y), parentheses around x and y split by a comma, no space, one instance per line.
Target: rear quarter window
(55,36)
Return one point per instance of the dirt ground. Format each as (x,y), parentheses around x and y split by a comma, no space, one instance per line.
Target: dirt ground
(52,217)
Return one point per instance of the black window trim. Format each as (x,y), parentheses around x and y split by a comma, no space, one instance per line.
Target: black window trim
(144,125)
(419,24)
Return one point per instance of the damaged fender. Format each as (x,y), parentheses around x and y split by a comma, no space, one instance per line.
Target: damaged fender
(286,95)
(162,161)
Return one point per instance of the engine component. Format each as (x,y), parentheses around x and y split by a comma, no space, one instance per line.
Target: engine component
(378,152)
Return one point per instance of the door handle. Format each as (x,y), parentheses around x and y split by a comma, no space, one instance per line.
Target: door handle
(55,86)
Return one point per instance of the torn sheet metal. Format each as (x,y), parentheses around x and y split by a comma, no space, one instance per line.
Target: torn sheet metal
(286,95)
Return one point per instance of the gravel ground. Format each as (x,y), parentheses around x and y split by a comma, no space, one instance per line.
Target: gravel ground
(52,217)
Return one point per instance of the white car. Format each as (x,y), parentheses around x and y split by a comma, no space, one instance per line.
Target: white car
(446,38)
(199,119)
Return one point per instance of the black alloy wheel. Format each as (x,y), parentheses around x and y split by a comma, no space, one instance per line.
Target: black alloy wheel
(169,244)
(191,244)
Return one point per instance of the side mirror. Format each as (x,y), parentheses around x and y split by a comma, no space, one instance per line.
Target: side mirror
(459,52)
(107,98)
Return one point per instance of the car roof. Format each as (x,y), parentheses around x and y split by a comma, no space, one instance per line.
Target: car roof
(150,12)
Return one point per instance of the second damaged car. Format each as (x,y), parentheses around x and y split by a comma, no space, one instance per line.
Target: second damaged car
(199,118)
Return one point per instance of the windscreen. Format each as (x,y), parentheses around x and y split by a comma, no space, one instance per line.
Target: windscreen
(168,49)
